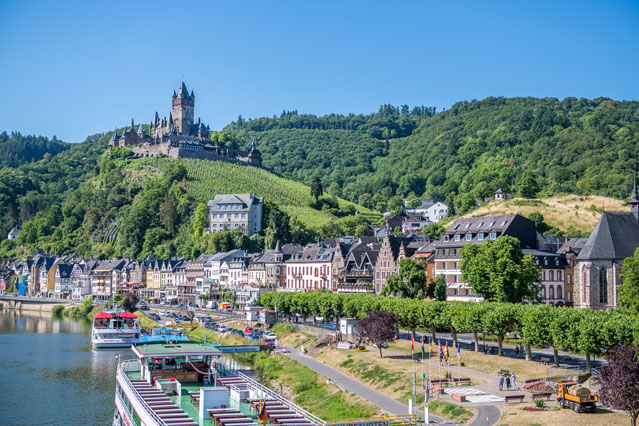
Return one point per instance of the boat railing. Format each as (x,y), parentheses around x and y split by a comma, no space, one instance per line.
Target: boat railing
(125,379)
(274,395)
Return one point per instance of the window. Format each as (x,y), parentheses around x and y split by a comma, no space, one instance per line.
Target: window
(480,224)
(491,224)
(493,235)
(456,226)
(467,225)
(603,286)
(457,237)
(559,296)
(552,275)
(480,236)
(552,292)
(469,237)
(445,237)
(546,261)
(503,223)
(543,292)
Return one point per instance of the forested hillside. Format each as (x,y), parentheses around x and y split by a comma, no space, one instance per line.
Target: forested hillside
(133,208)
(465,153)
(16,149)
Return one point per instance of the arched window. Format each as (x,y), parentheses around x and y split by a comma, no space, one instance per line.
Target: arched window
(316,272)
(552,276)
(552,292)
(603,286)
(584,282)
(559,295)
(543,289)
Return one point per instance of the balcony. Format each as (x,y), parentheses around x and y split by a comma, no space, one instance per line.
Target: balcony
(358,274)
(354,288)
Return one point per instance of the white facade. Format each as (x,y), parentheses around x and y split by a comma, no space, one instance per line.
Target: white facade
(235,212)
(309,276)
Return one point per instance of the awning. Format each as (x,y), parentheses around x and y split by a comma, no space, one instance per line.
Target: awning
(127,315)
(103,315)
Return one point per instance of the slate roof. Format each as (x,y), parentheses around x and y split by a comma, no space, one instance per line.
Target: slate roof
(65,270)
(246,199)
(616,236)
(510,224)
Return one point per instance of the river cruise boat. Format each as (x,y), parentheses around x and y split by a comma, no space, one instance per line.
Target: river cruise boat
(187,384)
(163,334)
(115,329)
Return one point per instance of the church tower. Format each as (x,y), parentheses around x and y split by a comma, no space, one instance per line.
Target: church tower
(183,106)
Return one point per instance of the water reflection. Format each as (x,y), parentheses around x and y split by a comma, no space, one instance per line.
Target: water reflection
(50,373)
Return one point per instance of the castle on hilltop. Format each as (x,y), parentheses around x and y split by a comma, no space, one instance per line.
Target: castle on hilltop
(180,137)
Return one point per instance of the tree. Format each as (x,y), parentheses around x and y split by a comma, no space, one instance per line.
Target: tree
(129,301)
(499,271)
(409,282)
(499,320)
(316,187)
(619,381)
(378,328)
(441,290)
(538,218)
(629,289)
(527,186)
(434,231)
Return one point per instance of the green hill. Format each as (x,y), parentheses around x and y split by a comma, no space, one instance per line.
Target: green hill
(137,207)
(574,145)
(207,178)
(16,149)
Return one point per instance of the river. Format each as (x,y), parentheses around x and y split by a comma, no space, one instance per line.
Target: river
(50,375)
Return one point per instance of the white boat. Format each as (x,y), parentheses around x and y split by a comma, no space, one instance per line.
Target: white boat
(115,328)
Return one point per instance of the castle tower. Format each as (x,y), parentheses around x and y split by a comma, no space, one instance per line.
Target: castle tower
(183,106)
(634,199)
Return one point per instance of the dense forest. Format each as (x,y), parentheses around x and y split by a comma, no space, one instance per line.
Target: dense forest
(16,149)
(459,155)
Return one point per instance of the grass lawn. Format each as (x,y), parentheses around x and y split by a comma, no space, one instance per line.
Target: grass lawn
(512,415)
(450,411)
(489,364)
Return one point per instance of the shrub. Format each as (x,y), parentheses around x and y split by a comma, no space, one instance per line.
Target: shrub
(57,310)
(539,403)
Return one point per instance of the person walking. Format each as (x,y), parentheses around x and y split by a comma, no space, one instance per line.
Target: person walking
(501,382)
(513,380)
(507,383)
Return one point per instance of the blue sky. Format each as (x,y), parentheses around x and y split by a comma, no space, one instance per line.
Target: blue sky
(76,68)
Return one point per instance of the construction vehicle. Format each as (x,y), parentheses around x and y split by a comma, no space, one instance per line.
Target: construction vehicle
(571,394)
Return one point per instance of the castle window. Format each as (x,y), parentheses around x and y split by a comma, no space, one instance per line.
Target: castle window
(603,286)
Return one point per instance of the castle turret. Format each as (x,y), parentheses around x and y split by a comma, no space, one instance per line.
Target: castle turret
(183,108)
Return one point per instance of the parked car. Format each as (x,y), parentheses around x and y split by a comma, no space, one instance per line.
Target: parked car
(269,335)
(248,330)
(222,329)
(269,342)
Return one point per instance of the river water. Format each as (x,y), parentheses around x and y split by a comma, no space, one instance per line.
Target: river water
(50,375)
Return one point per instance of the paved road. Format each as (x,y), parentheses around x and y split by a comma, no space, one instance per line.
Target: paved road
(487,415)
(360,389)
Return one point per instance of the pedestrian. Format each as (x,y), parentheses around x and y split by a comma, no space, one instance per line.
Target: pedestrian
(507,383)
(517,351)
(441,357)
(501,382)
(513,380)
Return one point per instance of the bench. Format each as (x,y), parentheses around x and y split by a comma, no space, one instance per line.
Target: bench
(542,395)
(544,360)
(520,397)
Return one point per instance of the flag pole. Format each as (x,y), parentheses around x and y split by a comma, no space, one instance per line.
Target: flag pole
(412,363)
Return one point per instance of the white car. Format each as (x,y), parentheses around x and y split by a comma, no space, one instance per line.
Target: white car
(269,335)
(222,329)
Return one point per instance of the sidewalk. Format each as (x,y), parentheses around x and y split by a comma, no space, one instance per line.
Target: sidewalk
(360,389)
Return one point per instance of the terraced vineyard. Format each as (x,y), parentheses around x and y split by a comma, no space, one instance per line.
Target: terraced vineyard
(207,178)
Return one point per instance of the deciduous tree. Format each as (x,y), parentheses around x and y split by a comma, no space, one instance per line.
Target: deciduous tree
(629,289)
(409,282)
(378,328)
(619,381)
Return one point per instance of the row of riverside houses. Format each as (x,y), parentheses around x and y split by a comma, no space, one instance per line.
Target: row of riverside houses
(574,271)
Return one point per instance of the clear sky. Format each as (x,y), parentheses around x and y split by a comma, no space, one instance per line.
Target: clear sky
(72,69)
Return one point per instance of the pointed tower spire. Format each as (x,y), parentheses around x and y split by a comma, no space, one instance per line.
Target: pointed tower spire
(278,248)
(156,119)
(132,125)
(171,118)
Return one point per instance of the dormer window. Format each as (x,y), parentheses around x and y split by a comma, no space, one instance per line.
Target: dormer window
(479,225)
(480,236)
(457,237)
(445,237)
(546,261)
(467,225)
(493,235)
(456,226)
(491,224)
(469,237)
(503,223)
